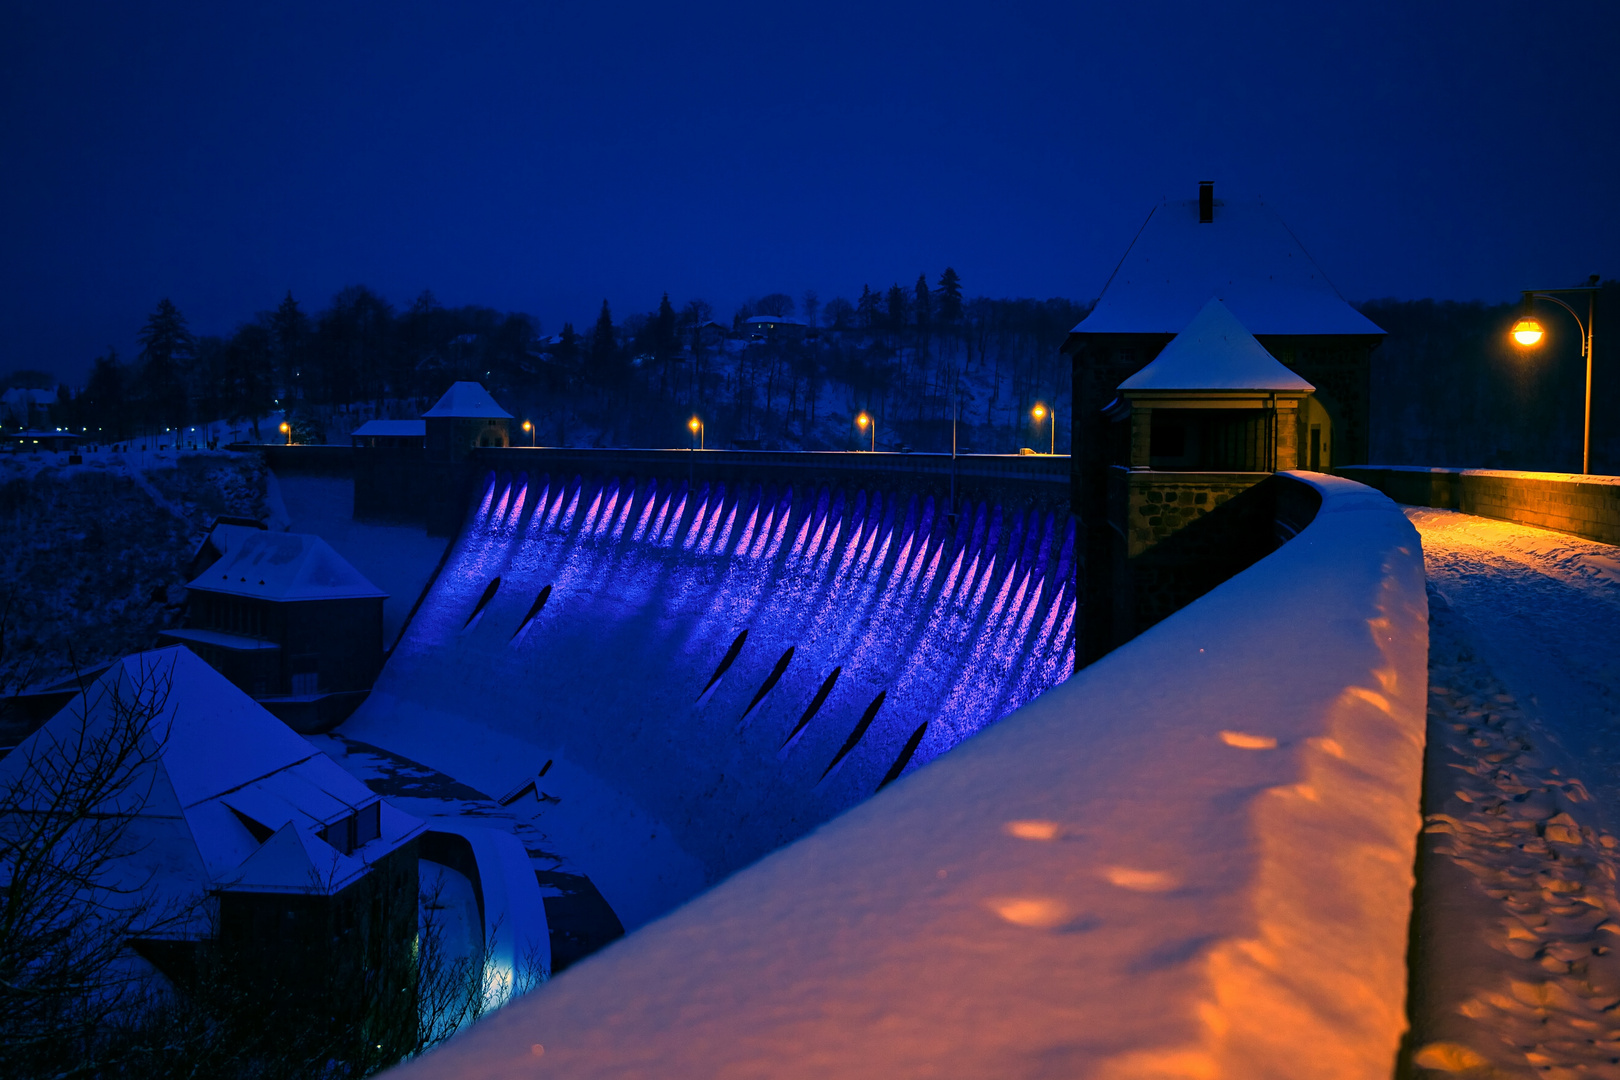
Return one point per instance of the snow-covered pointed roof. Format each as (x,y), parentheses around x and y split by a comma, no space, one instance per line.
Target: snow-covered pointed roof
(406,428)
(214,761)
(282,566)
(1246,255)
(1215,352)
(468,399)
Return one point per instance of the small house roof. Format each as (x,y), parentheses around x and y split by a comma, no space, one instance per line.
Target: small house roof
(398,428)
(777,320)
(281,566)
(467,399)
(1215,352)
(212,760)
(1246,255)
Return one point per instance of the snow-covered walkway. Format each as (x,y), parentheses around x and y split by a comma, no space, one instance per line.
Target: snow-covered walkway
(1519,914)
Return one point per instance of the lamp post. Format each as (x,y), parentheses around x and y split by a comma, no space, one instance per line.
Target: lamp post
(696,426)
(1040,411)
(1527,332)
(286,429)
(530,429)
(863,422)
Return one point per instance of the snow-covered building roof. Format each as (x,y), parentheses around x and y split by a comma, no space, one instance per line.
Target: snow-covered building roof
(225,795)
(1215,352)
(776,320)
(398,428)
(280,566)
(1246,255)
(467,399)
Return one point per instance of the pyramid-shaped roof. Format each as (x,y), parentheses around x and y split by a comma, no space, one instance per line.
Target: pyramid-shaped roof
(1216,352)
(467,399)
(1246,255)
(212,760)
(281,566)
(211,768)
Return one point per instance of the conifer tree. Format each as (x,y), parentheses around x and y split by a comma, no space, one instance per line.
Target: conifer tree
(866,310)
(567,351)
(105,410)
(289,330)
(897,308)
(166,347)
(948,297)
(604,347)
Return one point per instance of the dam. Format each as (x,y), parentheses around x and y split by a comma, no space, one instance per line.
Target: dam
(677,675)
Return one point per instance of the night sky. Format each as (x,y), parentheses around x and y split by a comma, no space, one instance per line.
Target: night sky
(544,156)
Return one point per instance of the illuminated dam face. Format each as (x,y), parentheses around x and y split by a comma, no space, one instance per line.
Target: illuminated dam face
(744,662)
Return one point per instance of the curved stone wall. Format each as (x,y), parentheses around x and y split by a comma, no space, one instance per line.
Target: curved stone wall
(1192,859)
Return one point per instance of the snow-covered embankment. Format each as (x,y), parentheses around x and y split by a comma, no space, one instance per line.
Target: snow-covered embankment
(1194,858)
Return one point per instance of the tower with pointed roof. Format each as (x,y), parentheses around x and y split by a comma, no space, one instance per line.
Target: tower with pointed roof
(464,418)
(1185,253)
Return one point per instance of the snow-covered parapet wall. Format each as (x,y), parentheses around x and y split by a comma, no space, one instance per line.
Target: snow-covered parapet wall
(1577,503)
(1193,859)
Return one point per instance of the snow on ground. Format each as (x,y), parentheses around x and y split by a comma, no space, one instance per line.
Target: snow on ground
(571,822)
(1521,915)
(1192,859)
(398,559)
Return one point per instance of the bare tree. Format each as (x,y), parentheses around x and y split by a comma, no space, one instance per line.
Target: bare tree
(70,797)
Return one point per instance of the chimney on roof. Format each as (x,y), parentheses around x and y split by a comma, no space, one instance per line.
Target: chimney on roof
(1206,201)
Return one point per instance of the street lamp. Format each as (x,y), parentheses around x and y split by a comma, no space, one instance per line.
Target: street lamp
(530,429)
(696,427)
(1527,332)
(286,429)
(866,421)
(1039,412)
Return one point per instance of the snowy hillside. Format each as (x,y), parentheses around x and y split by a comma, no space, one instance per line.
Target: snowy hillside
(93,556)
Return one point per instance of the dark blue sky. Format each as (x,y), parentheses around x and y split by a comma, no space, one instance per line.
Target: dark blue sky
(543,156)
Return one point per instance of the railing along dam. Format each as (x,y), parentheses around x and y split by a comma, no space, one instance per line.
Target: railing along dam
(744,660)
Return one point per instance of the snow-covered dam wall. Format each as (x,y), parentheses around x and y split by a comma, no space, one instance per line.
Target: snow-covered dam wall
(1580,504)
(1193,858)
(734,662)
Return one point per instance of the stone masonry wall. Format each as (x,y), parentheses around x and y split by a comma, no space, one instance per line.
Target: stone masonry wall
(1582,505)
(1162,504)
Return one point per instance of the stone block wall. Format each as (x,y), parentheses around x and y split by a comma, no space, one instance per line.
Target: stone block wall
(1160,505)
(1582,505)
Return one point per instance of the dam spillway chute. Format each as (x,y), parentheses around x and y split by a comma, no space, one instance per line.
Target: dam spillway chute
(725,665)
(490,590)
(789,605)
(904,759)
(765,687)
(855,736)
(810,711)
(529,617)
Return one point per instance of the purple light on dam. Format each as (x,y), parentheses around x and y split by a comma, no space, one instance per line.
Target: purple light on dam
(956,619)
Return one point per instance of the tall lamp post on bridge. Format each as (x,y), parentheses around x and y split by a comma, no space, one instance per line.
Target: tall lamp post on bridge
(1528,333)
(695,425)
(530,429)
(1040,411)
(865,422)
